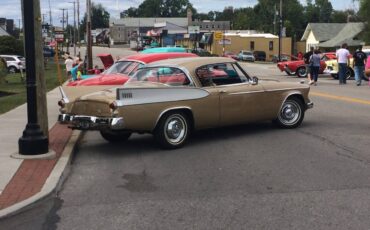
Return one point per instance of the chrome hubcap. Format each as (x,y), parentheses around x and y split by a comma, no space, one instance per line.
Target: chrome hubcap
(175,129)
(290,113)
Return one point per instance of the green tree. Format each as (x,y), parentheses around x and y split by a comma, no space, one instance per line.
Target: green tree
(130,12)
(10,45)
(365,17)
(99,18)
(165,8)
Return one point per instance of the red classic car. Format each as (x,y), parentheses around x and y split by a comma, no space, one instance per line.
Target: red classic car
(298,67)
(119,72)
(230,55)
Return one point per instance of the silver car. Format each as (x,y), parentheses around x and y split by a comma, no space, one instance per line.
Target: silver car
(246,56)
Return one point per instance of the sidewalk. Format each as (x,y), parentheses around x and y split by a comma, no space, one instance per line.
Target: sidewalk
(25,181)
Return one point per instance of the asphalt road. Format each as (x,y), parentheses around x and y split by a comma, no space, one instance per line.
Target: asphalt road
(244,177)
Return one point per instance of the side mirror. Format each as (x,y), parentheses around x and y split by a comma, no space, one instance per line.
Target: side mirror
(254,81)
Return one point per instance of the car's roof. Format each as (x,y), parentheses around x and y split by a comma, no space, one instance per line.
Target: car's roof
(191,63)
(164,49)
(148,58)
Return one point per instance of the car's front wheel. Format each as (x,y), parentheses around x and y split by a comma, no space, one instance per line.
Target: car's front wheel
(289,73)
(172,130)
(291,114)
(302,71)
(115,136)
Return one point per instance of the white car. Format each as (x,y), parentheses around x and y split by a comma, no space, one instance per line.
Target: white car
(245,55)
(15,63)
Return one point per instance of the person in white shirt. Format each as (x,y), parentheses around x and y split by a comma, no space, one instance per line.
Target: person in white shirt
(342,58)
(69,64)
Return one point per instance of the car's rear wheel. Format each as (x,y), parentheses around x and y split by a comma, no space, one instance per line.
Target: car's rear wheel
(172,130)
(302,71)
(12,69)
(366,78)
(115,136)
(291,113)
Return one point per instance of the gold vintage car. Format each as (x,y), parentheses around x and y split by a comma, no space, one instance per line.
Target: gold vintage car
(171,98)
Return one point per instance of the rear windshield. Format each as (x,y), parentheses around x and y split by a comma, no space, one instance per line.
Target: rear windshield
(162,75)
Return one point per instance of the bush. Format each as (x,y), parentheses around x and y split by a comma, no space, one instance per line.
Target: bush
(10,45)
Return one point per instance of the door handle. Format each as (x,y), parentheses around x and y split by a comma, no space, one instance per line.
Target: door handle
(223,91)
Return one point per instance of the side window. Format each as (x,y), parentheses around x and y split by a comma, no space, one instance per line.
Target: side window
(220,74)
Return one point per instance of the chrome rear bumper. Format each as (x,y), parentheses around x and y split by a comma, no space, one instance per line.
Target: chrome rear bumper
(82,122)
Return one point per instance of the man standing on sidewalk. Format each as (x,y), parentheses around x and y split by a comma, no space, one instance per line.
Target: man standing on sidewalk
(359,59)
(342,58)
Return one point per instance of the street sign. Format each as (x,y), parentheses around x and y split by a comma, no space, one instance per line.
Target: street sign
(218,35)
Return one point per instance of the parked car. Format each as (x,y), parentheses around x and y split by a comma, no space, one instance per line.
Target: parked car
(48,51)
(171,98)
(230,55)
(332,68)
(202,52)
(165,50)
(284,57)
(246,56)
(120,71)
(15,63)
(259,55)
(298,67)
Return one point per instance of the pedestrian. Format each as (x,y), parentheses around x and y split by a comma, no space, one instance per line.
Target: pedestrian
(315,66)
(97,70)
(342,58)
(359,60)
(306,58)
(367,68)
(300,55)
(69,64)
(79,72)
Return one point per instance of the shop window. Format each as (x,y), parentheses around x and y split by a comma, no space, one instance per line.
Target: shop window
(252,45)
(271,45)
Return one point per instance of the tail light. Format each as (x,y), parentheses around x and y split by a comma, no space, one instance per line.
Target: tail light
(113,106)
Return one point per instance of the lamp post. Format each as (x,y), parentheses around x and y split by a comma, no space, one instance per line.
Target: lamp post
(33,140)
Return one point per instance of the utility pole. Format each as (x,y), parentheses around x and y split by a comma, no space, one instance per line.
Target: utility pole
(67,33)
(63,9)
(34,140)
(78,27)
(88,35)
(50,18)
(74,27)
(280,28)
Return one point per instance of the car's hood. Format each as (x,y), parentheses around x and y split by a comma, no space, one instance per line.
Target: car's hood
(104,79)
(106,59)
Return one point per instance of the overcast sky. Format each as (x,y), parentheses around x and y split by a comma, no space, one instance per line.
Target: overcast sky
(11,9)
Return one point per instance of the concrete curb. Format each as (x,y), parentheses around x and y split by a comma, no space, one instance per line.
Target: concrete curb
(54,181)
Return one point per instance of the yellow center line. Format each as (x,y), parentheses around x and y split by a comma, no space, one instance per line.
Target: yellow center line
(342,98)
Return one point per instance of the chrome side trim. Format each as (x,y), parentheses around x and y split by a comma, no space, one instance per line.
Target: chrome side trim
(64,95)
(157,95)
(249,92)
